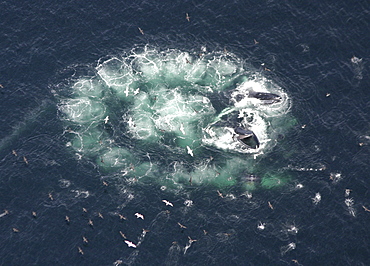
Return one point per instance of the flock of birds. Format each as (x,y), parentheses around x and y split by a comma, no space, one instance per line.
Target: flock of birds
(260,226)
(335,177)
(100,215)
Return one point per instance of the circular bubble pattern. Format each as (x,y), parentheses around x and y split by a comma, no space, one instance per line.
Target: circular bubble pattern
(169,117)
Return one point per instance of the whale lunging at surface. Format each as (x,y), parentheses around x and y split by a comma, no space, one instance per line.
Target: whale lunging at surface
(247,137)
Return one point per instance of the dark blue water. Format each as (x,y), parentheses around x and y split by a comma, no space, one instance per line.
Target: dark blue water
(318,51)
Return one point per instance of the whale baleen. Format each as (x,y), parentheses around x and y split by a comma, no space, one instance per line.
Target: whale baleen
(247,137)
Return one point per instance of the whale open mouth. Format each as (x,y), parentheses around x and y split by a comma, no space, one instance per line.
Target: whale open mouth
(247,137)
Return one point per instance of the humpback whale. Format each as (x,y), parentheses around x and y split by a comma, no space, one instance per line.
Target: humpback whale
(250,178)
(247,137)
(266,97)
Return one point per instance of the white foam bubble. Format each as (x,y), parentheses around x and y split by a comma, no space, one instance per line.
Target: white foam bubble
(82,110)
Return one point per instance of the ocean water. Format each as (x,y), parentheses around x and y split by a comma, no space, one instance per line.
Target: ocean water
(107,108)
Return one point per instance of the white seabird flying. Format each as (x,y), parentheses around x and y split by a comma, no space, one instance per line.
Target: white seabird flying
(130,244)
(139,215)
(167,203)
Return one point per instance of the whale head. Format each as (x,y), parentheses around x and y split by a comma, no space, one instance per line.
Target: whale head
(247,137)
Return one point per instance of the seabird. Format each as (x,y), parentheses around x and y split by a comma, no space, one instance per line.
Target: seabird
(220,194)
(130,122)
(139,215)
(50,196)
(67,219)
(141,31)
(122,217)
(15,230)
(366,209)
(191,240)
(84,210)
(14,153)
(91,223)
(4,213)
(270,205)
(34,214)
(105,183)
(255,42)
(100,215)
(106,119)
(167,203)
(80,250)
(25,160)
(130,244)
(189,244)
(187,17)
(85,240)
(117,262)
(190,151)
(182,129)
(126,91)
(182,226)
(122,234)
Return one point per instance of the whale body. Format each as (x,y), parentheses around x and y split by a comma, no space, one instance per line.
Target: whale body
(247,137)
(266,97)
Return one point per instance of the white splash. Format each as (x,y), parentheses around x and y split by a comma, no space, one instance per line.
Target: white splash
(261,226)
(317,198)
